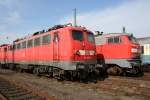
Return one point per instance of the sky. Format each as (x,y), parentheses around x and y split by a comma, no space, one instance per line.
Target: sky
(19,18)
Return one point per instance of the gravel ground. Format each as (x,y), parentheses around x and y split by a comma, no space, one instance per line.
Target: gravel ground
(112,88)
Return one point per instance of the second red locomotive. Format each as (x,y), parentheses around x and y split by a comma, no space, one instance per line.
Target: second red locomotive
(120,52)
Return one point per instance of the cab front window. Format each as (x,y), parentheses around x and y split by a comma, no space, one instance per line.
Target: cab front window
(90,37)
(132,39)
(77,35)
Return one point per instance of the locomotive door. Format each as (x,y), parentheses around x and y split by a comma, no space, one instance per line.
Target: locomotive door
(56,47)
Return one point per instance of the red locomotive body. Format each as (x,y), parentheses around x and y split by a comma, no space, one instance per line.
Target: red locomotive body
(120,51)
(61,46)
(59,51)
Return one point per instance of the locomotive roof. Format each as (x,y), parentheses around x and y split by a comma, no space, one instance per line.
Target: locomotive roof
(3,45)
(115,34)
(53,29)
(101,39)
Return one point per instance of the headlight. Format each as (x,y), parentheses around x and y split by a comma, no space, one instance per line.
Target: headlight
(80,52)
(134,50)
(92,52)
(85,52)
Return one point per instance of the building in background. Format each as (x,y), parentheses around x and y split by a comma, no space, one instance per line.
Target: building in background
(145,45)
(144,40)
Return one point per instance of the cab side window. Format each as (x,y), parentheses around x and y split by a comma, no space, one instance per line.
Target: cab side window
(37,41)
(18,46)
(117,40)
(114,40)
(110,40)
(14,46)
(46,39)
(23,44)
(30,43)
(90,37)
(77,35)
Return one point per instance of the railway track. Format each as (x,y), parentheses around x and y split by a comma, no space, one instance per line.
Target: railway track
(137,87)
(12,92)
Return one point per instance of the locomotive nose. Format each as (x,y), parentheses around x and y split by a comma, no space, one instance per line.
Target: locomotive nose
(135,53)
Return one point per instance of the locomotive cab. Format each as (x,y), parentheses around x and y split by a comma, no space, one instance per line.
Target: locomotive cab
(76,48)
(83,50)
(134,55)
(134,51)
(84,47)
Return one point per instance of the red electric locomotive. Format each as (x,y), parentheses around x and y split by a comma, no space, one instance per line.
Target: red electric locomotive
(120,52)
(3,54)
(62,51)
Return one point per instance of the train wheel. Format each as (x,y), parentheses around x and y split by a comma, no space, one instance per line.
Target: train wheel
(71,76)
(59,74)
(92,76)
(124,73)
(68,75)
(61,77)
(36,72)
(20,70)
(1,66)
(140,72)
(102,73)
(11,66)
(83,76)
